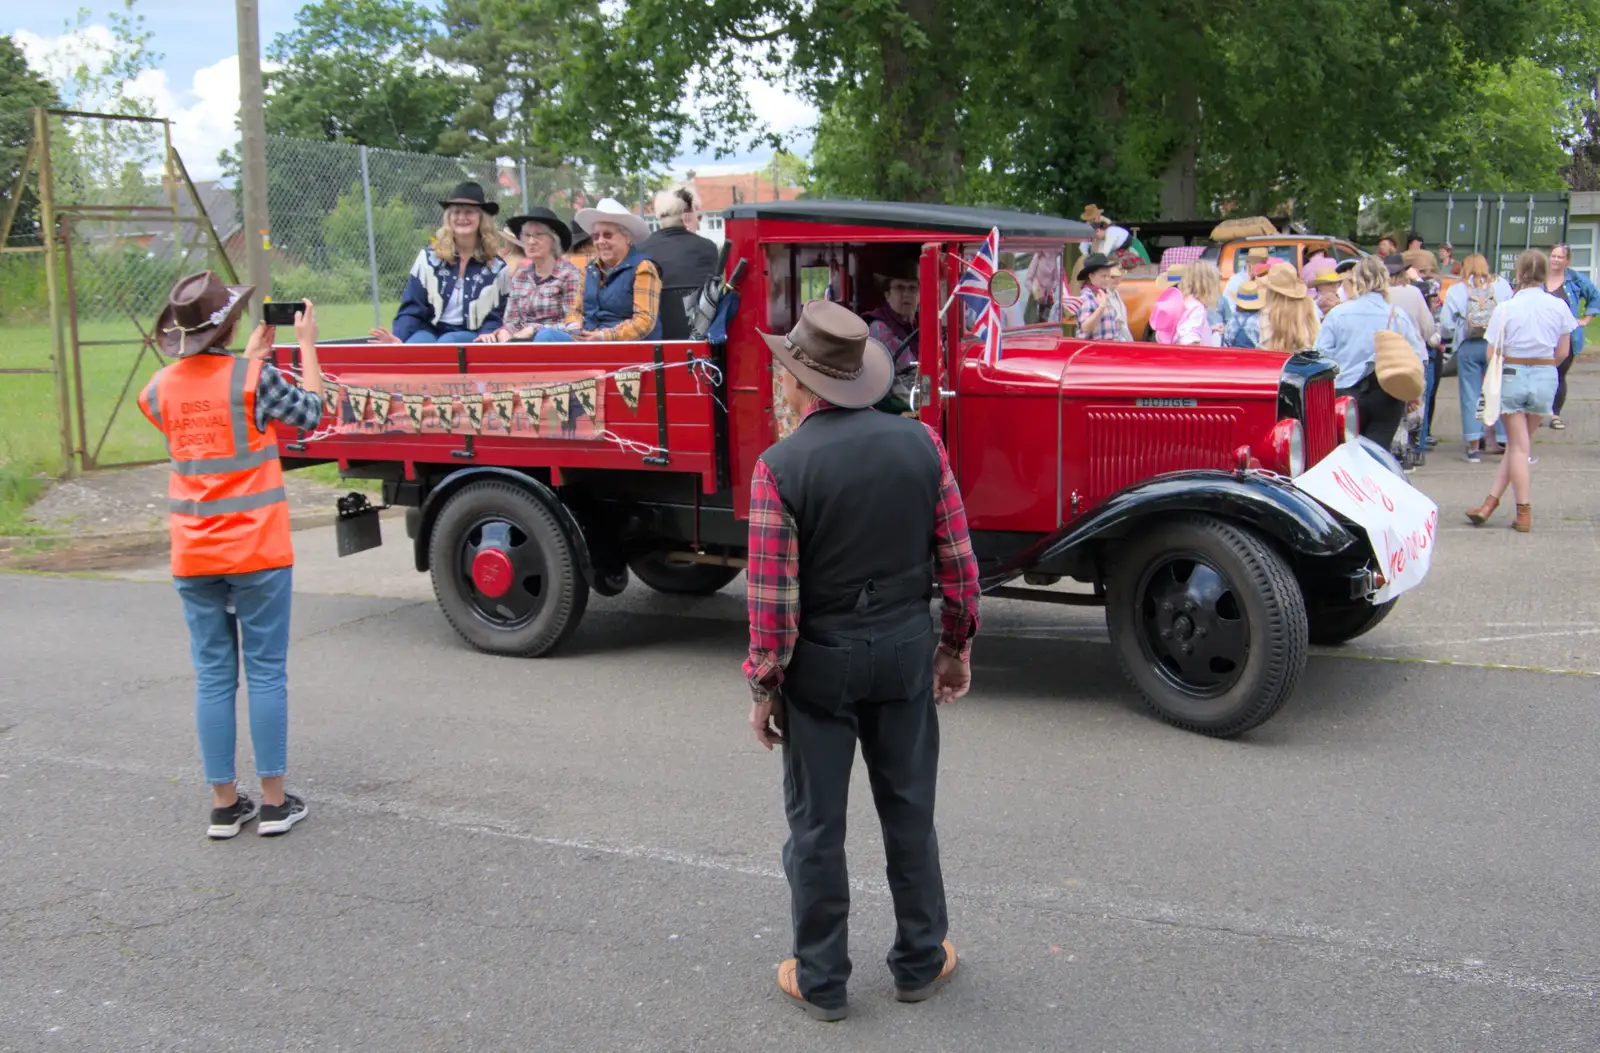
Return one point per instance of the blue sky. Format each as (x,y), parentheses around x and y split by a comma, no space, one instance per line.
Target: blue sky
(197,84)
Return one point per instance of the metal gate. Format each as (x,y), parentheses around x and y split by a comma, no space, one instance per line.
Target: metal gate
(115,220)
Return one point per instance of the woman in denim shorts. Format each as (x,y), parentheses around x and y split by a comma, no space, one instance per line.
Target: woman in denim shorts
(1528,338)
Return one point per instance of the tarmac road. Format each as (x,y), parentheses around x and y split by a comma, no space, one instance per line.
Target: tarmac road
(581,853)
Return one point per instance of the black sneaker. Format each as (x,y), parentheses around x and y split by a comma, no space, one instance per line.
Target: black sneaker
(226,822)
(278,818)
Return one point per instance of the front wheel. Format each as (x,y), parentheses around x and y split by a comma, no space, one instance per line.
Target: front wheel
(506,574)
(1337,623)
(1209,625)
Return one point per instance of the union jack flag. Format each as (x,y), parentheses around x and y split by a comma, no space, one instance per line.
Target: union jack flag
(973,289)
(1070,304)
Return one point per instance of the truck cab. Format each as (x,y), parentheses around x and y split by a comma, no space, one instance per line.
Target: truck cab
(1156,481)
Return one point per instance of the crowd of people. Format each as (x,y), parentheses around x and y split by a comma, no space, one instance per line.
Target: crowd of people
(1340,308)
(539,279)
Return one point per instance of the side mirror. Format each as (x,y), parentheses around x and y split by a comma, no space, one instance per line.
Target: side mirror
(1004,289)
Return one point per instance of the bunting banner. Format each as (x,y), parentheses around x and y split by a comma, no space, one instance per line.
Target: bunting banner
(445,410)
(628,387)
(533,405)
(360,400)
(381,403)
(332,400)
(413,405)
(505,403)
(528,404)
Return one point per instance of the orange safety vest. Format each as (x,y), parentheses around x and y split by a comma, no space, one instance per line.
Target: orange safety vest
(228,510)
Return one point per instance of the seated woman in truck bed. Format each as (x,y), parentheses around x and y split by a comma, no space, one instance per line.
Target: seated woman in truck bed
(457,286)
(621,289)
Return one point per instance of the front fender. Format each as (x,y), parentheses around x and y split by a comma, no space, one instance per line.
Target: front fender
(1266,502)
(451,484)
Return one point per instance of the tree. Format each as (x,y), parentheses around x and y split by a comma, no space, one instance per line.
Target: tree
(358,71)
(21,88)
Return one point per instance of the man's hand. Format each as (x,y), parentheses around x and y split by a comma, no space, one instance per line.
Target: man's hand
(952,677)
(259,347)
(766,719)
(305,323)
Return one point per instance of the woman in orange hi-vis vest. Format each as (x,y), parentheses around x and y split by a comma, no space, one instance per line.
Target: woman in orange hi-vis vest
(232,560)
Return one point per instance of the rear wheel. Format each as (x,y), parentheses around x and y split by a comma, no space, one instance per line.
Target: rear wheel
(1209,625)
(1334,624)
(505,572)
(681,579)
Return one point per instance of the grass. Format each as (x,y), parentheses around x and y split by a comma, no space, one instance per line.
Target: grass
(30,427)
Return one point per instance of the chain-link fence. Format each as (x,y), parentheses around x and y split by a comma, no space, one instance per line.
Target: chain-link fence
(347,221)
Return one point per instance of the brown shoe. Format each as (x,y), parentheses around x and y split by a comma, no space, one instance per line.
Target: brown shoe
(789,984)
(1524,521)
(1481,514)
(922,994)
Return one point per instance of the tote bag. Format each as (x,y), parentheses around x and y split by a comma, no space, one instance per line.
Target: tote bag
(1398,367)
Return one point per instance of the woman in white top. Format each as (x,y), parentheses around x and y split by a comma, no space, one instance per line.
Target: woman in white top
(1464,319)
(1528,337)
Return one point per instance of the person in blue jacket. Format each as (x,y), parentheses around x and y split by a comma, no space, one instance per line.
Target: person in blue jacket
(1583,299)
(457,288)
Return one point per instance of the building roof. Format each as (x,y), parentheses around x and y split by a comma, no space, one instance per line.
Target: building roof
(956,219)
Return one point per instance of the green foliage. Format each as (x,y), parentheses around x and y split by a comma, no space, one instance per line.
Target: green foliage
(396,236)
(342,281)
(358,71)
(20,89)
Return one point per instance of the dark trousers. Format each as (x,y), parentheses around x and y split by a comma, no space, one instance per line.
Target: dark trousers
(1380,411)
(876,689)
(1436,367)
(1561,384)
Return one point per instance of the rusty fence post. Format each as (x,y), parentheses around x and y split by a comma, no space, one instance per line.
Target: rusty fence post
(52,279)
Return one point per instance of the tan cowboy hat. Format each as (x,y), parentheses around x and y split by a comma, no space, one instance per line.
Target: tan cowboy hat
(200,311)
(1092,215)
(610,210)
(1247,297)
(829,351)
(1281,279)
(1422,260)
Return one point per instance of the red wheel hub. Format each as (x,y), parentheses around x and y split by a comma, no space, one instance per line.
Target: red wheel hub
(492,572)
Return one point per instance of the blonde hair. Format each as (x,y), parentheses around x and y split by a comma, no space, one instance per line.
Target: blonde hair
(1203,281)
(1370,276)
(1475,266)
(1533,268)
(444,242)
(1288,324)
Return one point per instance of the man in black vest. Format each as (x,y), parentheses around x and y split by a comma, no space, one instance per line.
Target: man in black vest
(853,520)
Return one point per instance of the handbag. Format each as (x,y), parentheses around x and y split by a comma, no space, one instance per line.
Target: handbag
(1398,368)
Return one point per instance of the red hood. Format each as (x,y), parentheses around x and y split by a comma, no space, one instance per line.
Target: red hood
(1035,358)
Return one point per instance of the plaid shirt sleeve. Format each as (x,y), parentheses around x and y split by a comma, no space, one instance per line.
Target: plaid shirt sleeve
(575,312)
(646,305)
(955,568)
(277,399)
(772,587)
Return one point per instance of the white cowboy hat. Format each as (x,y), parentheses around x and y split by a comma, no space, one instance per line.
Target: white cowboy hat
(610,210)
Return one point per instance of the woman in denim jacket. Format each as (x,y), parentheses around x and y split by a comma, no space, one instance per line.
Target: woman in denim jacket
(456,291)
(1582,299)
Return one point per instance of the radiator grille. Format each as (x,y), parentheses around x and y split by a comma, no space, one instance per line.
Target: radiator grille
(1322,430)
(1128,446)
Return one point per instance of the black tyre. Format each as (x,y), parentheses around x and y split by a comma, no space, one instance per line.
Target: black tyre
(681,579)
(1332,624)
(1209,625)
(505,571)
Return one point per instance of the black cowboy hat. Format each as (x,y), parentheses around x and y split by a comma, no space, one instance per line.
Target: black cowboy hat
(1096,261)
(546,217)
(902,267)
(470,193)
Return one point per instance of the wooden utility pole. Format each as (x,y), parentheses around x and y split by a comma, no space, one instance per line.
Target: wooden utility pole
(253,154)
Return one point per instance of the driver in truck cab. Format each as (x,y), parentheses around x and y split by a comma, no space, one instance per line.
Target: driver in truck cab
(893,323)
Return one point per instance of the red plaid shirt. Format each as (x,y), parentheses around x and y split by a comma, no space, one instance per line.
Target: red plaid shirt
(773,582)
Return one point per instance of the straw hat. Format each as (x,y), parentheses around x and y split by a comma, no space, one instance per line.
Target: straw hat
(1422,260)
(1094,217)
(1283,281)
(1247,297)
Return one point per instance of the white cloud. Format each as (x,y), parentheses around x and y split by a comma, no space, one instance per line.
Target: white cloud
(202,114)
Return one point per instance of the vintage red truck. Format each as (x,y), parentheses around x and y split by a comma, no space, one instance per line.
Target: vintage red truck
(1160,479)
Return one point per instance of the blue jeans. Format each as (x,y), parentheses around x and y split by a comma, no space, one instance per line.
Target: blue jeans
(261,626)
(1529,389)
(548,335)
(454,336)
(1471,360)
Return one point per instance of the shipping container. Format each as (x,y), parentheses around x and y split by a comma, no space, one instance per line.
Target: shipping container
(1500,226)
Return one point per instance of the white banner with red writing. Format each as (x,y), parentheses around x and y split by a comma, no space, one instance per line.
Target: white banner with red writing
(1399,519)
